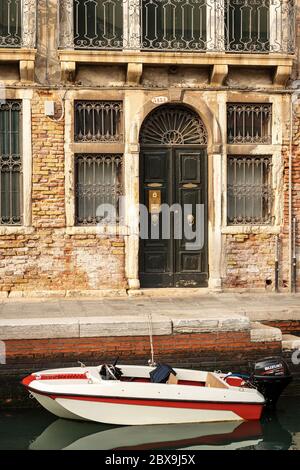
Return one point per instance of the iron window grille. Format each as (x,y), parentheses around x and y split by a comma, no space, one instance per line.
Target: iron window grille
(249,190)
(98,24)
(10,23)
(98,188)
(249,123)
(174,24)
(10,163)
(247,25)
(98,121)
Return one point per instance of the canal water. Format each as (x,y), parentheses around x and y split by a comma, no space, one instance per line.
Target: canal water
(38,430)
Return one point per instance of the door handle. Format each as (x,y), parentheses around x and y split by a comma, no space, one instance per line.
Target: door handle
(191,219)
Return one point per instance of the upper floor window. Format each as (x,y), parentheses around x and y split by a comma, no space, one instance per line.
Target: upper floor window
(10,163)
(247,25)
(98,121)
(249,190)
(249,123)
(10,23)
(174,24)
(98,24)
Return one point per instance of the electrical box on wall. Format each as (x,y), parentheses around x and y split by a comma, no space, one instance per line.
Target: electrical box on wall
(49,108)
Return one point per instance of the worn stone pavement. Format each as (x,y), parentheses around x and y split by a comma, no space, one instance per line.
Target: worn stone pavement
(166,312)
(256,306)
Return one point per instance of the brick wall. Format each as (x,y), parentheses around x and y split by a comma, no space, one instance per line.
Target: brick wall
(249,260)
(49,258)
(286,326)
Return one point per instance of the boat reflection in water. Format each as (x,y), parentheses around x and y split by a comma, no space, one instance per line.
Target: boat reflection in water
(63,434)
(267,434)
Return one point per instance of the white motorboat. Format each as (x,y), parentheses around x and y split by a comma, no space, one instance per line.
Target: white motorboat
(140,395)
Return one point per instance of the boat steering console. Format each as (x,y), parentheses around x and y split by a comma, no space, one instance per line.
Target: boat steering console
(110,371)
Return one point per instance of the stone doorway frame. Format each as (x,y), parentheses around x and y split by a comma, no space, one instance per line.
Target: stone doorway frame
(197,102)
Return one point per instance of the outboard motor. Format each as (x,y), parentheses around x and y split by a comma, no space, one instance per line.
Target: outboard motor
(270,377)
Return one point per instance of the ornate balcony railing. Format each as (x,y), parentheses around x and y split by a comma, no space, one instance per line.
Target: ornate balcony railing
(240,26)
(18,23)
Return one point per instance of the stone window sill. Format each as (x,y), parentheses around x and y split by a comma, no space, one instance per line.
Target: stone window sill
(108,230)
(251,229)
(16,230)
(25,58)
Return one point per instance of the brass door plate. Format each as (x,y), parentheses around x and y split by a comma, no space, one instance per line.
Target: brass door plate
(154,201)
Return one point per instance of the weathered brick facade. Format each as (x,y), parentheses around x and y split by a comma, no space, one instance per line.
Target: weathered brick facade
(47,258)
(249,260)
(50,254)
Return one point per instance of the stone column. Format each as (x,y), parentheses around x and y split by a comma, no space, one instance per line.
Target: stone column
(69,163)
(132,215)
(276,32)
(215,25)
(66,26)
(27,160)
(131,24)
(215,219)
(29,15)
(132,39)
(66,37)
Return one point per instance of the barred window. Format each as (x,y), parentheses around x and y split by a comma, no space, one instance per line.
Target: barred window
(10,163)
(249,190)
(249,123)
(175,24)
(10,23)
(247,25)
(98,121)
(98,188)
(98,24)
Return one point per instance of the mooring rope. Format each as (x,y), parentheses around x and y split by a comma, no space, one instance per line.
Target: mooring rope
(151,361)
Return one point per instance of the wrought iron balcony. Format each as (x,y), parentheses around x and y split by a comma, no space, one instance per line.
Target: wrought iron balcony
(18,24)
(233,26)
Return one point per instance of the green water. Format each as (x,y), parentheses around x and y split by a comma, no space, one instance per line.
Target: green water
(38,430)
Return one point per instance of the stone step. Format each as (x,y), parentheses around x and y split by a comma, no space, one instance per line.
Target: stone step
(170,292)
(262,333)
(290,342)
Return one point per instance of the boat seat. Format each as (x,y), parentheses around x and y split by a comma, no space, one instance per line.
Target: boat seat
(214,382)
(172,380)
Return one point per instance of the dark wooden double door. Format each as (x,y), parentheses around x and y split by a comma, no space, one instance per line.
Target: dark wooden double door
(176,177)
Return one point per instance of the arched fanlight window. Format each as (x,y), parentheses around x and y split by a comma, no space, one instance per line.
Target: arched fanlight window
(173,125)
